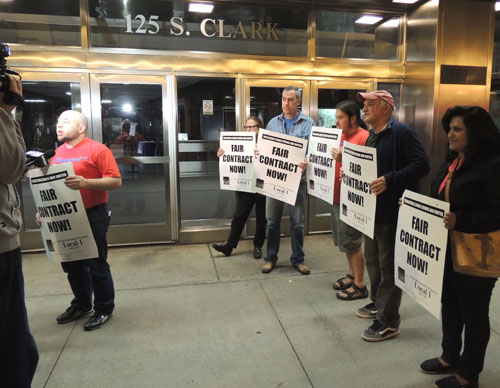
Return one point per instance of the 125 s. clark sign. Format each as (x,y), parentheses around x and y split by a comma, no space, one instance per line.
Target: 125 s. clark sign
(210,28)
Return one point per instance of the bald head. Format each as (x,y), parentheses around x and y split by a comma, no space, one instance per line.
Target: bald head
(71,127)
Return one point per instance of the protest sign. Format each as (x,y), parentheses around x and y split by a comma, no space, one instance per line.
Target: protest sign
(65,227)
(420,249)
(277,172)
(321,166)
(357,203)
(236,165)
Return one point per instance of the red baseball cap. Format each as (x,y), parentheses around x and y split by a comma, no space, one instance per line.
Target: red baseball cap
(382,94)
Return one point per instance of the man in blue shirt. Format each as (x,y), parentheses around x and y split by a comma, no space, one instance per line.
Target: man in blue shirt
(294,123)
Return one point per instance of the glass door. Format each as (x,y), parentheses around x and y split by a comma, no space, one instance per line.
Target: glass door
(263,99)
(206,106)
(325,97)
(128,116)
(46,96)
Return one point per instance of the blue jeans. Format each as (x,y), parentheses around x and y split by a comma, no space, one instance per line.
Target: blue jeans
(18,351)
(93,275)
(274,212)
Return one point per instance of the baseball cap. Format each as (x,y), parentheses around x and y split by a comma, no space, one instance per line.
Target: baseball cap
(382,94)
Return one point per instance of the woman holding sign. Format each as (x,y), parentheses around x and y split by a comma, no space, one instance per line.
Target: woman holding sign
(345,237)
(244,204)
(470,182)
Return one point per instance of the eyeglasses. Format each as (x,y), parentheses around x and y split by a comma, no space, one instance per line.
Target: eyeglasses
(250,126)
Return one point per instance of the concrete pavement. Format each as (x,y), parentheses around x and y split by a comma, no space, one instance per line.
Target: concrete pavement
(187,316)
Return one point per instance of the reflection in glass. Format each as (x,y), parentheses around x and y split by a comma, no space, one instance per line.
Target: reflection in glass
(132,126)
(44,102)
(168,25)
(265,103)
(339,36)
(132,121)
(48,22)
(206,107)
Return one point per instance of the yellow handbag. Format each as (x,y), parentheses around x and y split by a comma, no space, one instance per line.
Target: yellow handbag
(476,254)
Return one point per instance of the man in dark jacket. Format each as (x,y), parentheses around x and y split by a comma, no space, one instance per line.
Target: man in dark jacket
(401,163)
(18,351)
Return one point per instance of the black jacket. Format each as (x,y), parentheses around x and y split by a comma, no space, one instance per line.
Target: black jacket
(474,194)
(402,160)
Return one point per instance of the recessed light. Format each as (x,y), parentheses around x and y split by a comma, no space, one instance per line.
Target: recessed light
(201,7)
(369,19)
(405,1)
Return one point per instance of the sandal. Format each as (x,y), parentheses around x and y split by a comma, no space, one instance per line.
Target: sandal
(342,282)
(359,293)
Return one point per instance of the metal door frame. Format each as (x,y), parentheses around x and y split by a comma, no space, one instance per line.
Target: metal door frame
(142,233)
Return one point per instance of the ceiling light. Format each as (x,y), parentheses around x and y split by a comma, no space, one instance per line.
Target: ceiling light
(68,93)
(106,101)
(369,19)
(38,101)
(127,107)
(405,1)
(497,6)
(201,7)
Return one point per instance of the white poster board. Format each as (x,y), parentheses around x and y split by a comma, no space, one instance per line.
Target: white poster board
(357,203)
(277,172)
(236,165)
(420,249)
(65,227)
(321,165)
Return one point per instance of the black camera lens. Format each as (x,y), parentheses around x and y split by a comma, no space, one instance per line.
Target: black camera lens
(4,50)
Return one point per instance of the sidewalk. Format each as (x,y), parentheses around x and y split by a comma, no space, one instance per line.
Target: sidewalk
(187,316)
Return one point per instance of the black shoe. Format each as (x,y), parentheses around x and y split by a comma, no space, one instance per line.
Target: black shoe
(96,321)
(223,248)
(452,382)
(434,366)
(71,314)
(257,253)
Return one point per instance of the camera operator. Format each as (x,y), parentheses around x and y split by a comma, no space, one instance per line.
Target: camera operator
(18,351)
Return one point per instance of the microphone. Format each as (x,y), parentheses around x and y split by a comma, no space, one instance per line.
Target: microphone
(38,158)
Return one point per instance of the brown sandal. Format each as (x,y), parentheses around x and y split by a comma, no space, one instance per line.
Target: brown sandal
(342,282)
(359,293)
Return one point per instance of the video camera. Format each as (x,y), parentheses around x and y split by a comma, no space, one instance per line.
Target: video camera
(10,98)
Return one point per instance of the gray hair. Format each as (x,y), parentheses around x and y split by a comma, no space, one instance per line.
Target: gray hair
(298,92)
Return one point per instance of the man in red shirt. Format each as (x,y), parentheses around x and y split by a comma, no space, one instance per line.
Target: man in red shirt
(96,172)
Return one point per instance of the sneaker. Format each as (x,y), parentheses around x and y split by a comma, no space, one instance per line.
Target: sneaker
(368,312)
(223,248)
(378,332)
(72,313)
(96,321)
